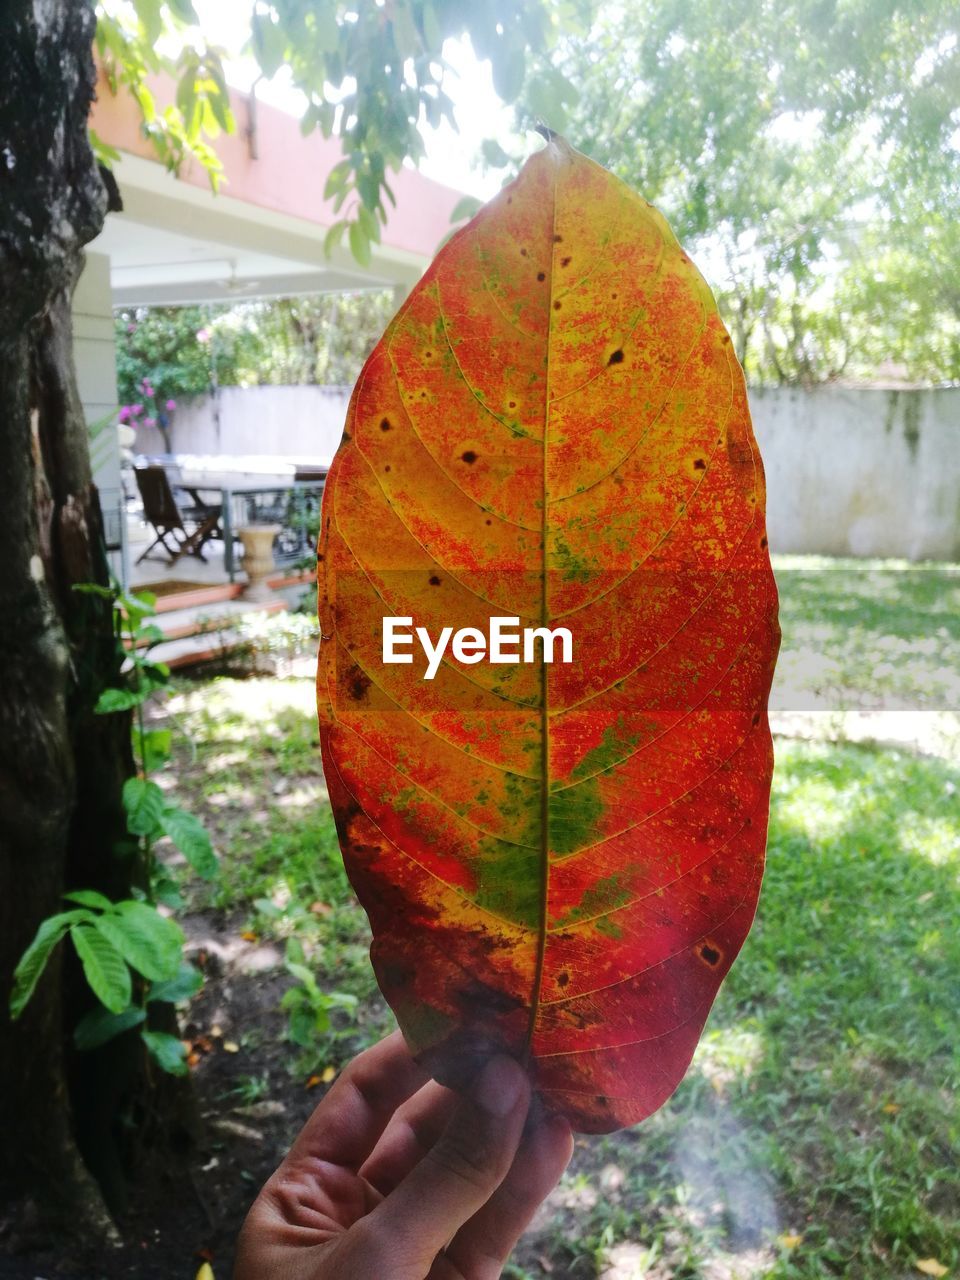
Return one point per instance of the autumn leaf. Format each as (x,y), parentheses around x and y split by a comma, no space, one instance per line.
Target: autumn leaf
(931,1267)
(560,860)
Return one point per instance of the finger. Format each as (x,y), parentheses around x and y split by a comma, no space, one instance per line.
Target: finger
(408,1137)
(459,1173)
(347,1124)
(482,1245)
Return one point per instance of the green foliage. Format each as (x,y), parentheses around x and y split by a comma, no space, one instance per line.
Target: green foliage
(371,76)
(130,953)
(307,1007)
(807,155)
(128,43)
(177,352)
(168,349)
(169,1053)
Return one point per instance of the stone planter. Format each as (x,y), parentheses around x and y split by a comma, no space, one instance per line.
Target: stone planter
(257,542)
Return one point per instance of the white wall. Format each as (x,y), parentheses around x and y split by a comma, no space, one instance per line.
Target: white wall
(849,471)
(95,360)
(861,472)
(304,423)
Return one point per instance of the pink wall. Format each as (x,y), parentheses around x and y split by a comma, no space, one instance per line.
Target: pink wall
(291,171)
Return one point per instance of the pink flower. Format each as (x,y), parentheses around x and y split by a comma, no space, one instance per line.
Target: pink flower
(203,335)
(171,405)
(131,328)
(124,414)
(149,422)
(136,410)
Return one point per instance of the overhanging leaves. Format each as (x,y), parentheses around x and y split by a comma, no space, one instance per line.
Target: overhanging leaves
(560,861)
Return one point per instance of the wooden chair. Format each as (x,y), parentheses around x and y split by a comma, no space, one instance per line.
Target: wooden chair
(161,511)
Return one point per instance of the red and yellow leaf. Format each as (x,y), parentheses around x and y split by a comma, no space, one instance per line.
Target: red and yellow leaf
(559,860)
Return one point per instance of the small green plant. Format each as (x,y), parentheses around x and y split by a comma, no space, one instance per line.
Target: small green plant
(131,954)
(308,1008)
(249,1089)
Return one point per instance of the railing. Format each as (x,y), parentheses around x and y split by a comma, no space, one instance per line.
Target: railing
(294,507)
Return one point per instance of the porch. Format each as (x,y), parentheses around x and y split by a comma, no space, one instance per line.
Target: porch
(174,243)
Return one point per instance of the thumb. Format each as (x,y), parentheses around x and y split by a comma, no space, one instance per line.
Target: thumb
(460,1173)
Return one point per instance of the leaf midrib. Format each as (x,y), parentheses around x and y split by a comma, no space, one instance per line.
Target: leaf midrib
(544,682)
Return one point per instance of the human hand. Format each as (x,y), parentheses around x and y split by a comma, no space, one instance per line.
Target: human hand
(396,1178)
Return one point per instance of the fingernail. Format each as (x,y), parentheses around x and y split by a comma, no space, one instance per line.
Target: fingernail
(499,1087)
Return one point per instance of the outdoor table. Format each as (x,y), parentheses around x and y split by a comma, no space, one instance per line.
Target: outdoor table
(244,486)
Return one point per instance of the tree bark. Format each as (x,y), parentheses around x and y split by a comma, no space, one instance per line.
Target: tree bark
(61,768)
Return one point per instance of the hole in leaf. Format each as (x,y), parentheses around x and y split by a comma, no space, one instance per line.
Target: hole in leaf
(616,357)
(469,456)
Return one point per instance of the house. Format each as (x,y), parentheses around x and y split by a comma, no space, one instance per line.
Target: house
(176,242)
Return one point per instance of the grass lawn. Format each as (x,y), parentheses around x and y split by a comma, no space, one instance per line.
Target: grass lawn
(817,1133)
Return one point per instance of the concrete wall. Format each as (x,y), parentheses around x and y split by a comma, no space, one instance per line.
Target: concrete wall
(849,471)
(861,472)
(304,423)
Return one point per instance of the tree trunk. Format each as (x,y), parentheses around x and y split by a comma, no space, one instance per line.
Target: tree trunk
(61,768)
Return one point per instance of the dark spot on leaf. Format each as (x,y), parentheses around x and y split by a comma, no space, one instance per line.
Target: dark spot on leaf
(358,682)
(434,580)
(387,467)
(523,253)
(556,306)
(489,522)
(347,437)
(763,542)
(756,718)
(699,465)
(725,338)
(468,456)
(616,357)
(384,424)
(563,978)
(709,954)
(319,557)
(565,262)
(613,297)
(541,275)
(477,997)
(512,404)
(557,239)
